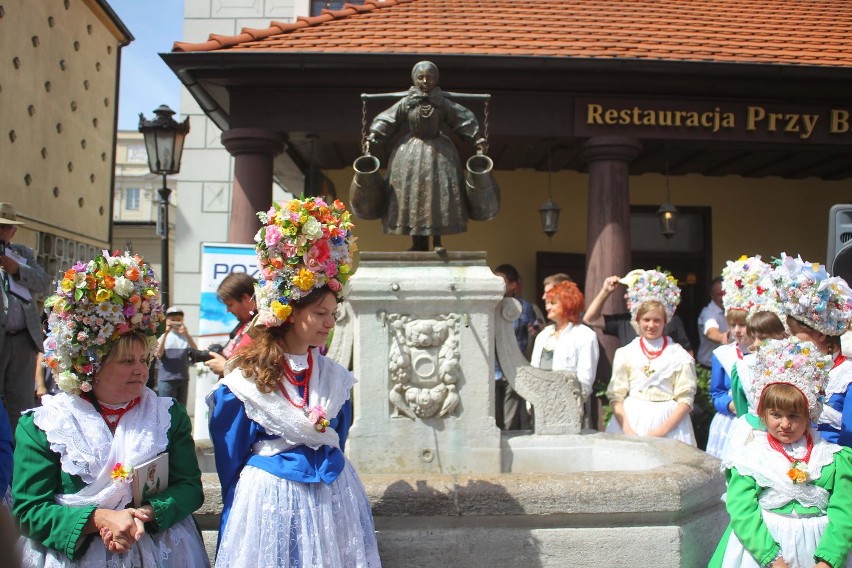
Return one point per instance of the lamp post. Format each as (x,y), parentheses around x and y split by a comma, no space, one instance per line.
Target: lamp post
(164,143)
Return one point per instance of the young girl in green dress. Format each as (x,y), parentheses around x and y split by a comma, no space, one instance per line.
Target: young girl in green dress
(789,491)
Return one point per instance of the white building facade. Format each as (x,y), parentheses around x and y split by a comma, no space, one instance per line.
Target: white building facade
(203,188)
(136,202)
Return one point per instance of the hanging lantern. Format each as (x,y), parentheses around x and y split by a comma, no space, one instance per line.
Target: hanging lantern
(549,212)
(667,213)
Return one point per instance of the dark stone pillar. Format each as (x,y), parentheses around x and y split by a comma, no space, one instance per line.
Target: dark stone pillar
(608,236)
(253,150)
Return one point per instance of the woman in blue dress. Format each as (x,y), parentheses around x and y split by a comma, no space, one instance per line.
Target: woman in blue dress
(280,417)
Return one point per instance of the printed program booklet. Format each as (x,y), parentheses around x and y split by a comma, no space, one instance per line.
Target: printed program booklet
(150,478)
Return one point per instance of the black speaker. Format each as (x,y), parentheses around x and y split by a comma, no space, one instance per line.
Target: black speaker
(839,258)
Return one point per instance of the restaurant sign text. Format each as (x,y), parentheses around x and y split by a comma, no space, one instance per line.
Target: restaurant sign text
(705,120)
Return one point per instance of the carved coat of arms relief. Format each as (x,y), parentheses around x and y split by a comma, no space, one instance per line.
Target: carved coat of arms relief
(424,365)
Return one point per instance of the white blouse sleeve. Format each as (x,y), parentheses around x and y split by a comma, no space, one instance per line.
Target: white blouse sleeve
(619,384)
(538,346)
(587,360)
(684,384)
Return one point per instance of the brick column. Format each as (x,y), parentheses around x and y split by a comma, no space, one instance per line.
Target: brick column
(254,150)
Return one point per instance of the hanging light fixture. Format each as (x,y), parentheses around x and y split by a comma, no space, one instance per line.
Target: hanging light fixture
(549,210)
(667,213)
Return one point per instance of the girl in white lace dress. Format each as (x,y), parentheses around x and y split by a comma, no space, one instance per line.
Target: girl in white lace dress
(653,380)
(279,419)
(653,383)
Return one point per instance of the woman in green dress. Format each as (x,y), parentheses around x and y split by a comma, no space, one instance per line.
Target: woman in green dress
(75,455)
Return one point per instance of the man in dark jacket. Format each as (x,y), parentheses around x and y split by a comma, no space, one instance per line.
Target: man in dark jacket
(22,280)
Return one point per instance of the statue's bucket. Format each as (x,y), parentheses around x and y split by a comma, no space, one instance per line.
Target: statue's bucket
(483,193)
(368,192)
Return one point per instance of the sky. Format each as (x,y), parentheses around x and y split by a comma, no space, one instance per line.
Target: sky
(146,81)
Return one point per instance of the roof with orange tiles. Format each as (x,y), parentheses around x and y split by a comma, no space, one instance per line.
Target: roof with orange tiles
(782,32)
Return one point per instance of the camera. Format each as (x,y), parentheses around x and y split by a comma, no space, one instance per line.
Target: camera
(202,355)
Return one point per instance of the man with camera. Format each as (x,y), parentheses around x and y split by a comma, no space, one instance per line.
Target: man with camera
(175,351)
(236,291)
(21,281)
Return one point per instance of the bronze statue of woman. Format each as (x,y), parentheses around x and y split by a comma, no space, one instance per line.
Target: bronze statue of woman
(426,187)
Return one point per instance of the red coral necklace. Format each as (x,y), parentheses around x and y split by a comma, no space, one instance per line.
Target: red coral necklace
(651,355)
(302,379)
(796,473)
(112,416)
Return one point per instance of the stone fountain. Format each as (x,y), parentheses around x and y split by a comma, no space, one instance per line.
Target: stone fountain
(447,487)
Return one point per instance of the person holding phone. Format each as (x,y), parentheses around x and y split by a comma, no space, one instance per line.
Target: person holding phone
(173,348)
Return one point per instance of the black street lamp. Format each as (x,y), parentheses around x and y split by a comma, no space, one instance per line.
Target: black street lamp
(164,143)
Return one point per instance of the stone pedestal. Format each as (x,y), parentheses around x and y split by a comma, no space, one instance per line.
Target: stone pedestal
(424,357)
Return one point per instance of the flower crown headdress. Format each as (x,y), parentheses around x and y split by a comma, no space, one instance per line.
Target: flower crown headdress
(789,361)
(741,281)
(652,285)
(304,244)
(766,299)
(809,294)
(96,303)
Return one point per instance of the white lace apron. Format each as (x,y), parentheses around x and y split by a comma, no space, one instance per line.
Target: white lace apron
(721,425)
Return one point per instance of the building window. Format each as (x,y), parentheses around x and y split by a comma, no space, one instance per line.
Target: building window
(317,6)
(55,254)
(131,199)
(137,154)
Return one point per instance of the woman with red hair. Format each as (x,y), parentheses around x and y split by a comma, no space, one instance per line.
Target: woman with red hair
(567,344)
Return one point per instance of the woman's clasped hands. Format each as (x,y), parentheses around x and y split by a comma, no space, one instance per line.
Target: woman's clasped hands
(120,530)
